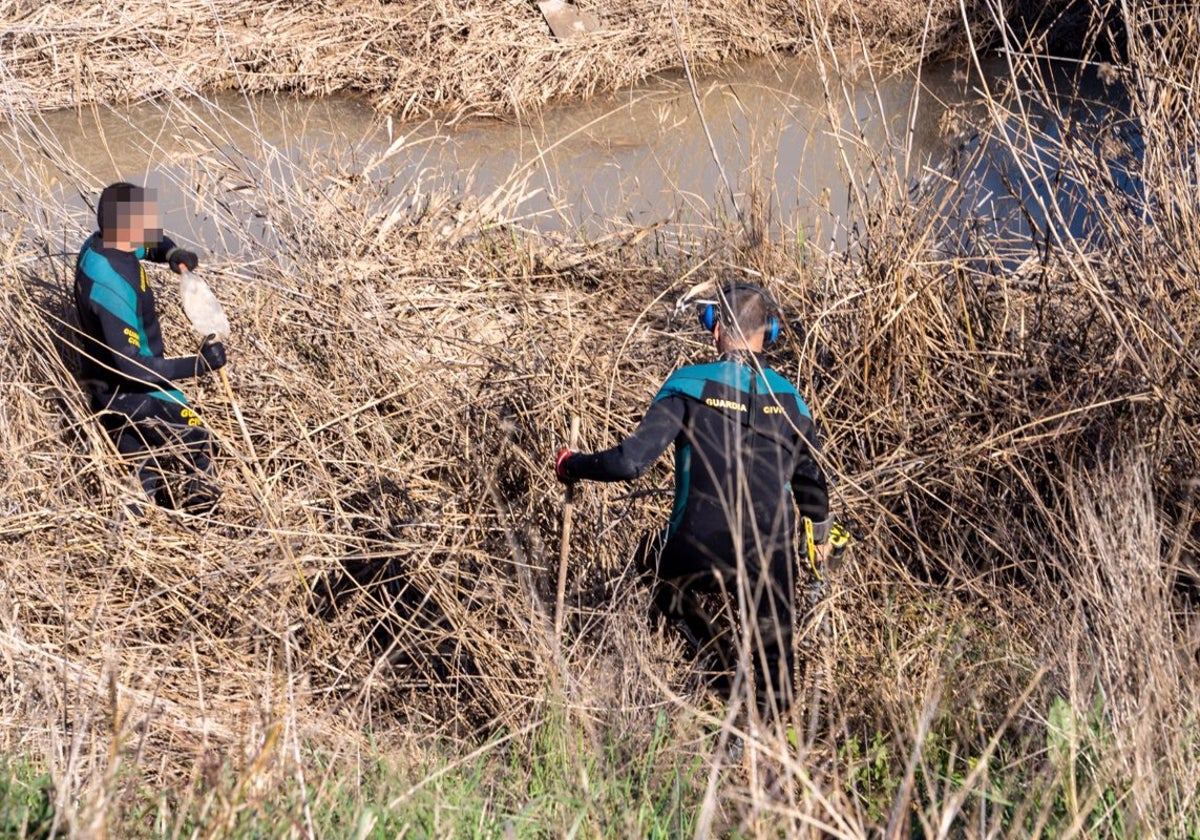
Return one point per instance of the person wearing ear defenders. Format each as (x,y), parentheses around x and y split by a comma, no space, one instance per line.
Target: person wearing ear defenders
(132,385)
(745,465)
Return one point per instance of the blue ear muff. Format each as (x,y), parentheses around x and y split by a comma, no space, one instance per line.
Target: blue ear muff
(710,314)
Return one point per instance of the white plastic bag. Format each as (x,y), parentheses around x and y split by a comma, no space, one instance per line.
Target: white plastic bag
(202,307)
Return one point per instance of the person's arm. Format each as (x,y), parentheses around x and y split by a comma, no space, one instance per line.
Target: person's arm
(632,456)
(122,337)
(166,251)
(809,487)
(113,300)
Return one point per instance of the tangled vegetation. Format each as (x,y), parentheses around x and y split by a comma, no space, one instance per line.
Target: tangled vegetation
(421,57)
(360,642)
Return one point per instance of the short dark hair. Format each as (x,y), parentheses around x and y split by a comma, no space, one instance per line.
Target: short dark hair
(745,307)
(113,198)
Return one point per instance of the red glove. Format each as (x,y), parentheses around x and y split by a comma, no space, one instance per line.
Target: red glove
(563,454)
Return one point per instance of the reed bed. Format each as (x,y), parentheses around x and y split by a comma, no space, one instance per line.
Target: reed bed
(1010,651)
(414,59)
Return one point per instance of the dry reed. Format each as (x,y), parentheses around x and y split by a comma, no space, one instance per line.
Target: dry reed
(412,58)
(1016,449)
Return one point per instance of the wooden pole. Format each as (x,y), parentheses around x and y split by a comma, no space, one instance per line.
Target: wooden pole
(237,413)
(564,545)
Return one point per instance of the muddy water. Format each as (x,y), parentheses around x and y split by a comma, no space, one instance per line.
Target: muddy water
(70,155)
(644,156)
(776,139)
(762,132)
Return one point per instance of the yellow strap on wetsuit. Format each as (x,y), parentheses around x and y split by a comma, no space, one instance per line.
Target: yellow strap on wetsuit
(839,538)
(811,545)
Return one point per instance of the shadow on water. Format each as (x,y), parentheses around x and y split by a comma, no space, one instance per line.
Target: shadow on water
(1038,169)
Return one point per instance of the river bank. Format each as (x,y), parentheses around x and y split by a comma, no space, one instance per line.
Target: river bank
(412,59)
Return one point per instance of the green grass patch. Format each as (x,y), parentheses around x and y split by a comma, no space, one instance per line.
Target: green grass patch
(549,780)
(26,799)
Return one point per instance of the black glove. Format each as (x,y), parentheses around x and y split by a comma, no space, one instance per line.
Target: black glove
(212,355)
(177,257)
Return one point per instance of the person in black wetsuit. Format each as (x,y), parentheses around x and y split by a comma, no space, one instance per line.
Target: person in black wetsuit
(745,446)
(131,383)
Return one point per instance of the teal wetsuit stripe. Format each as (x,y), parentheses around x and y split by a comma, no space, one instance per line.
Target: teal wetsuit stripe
(777,385)
(175,397)
(111,292)
(109,289)
(683,481)
(690,381)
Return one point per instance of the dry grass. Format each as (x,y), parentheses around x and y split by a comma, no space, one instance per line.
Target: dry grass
(1018,451)
(413,58)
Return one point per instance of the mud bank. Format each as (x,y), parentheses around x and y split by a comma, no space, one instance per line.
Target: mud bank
(415,58)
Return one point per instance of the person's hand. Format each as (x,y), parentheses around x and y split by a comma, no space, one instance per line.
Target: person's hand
(212,353)
(563,454)
(179,259)
(824,550)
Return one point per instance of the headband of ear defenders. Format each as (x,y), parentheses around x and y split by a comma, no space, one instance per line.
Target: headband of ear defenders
(713,313)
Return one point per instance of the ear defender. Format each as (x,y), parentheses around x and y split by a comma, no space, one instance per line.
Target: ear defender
(710,315)
(772,331)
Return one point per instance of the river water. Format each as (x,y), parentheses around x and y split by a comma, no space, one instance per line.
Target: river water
(791,142)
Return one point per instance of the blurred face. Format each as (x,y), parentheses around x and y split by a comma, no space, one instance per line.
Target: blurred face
(143,224)
(137,224)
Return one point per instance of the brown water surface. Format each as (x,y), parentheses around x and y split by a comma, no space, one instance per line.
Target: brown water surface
(791,143)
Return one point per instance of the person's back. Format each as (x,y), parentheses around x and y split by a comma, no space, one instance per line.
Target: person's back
(744,442)
(744,432)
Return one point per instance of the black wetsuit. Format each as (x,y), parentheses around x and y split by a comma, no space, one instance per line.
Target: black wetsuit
(744,450)
(132,384)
